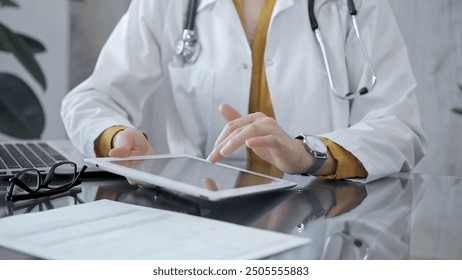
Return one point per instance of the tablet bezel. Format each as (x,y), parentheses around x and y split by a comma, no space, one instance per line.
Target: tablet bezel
(152,180)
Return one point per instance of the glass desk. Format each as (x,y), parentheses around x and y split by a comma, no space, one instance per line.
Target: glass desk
(405,216)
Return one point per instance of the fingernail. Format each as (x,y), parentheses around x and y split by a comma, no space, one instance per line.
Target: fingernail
(224,151)
(210,157)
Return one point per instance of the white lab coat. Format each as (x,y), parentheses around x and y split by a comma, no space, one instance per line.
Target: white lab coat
(139,81)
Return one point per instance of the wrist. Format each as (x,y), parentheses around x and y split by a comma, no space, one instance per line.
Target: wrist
(317,154)
(103,144)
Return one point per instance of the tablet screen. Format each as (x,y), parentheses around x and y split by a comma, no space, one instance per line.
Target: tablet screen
(197,173)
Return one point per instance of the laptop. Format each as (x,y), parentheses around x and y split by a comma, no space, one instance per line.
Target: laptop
(15,156)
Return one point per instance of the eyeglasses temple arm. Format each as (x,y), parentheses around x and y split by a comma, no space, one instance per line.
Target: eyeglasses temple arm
(20,184)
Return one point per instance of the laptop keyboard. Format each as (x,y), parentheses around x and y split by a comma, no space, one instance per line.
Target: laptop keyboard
(28,155)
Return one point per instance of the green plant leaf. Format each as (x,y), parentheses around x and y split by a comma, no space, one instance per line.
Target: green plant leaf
(21,114)
(457,110)
(15,44)
(34,45)
(9,3)
(460,88)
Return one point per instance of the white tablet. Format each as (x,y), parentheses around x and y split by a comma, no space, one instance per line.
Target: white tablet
(191,176)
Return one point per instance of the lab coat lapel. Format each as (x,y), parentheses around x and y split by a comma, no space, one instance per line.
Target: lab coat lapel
(278,7)
(204,3)
(281,5)
(226,11)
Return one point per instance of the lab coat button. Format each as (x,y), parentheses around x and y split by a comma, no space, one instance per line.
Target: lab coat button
(269,62)
(245,65)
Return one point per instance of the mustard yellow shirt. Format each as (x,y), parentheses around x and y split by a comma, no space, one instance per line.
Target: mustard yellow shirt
(103,144)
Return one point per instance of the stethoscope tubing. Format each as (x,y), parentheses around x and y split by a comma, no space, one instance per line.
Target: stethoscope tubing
(188,47)
(191,15)
(315,27)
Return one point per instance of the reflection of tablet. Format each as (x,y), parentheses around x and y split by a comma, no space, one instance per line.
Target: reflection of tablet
(190,175)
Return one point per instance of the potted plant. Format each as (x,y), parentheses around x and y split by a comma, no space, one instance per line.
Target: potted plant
(21,114)
(458,110)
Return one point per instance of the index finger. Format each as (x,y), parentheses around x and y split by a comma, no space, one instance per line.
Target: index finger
(235,140)
(229,114)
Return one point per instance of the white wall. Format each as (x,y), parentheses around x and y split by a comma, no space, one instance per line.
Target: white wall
(433,33)
(91,24)
(48,22)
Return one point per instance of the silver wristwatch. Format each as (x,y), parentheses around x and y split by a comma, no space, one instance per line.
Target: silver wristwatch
(317,148)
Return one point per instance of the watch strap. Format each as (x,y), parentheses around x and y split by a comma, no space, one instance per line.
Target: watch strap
(317,164)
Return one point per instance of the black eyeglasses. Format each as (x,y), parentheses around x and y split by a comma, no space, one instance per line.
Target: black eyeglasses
(44,203)
(29,184)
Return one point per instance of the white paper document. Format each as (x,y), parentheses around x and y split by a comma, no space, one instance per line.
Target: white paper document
(113,230)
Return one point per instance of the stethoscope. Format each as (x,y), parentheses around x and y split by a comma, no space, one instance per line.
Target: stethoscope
(188,48)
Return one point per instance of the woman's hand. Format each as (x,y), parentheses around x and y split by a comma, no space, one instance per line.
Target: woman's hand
(264,136)
(130,142)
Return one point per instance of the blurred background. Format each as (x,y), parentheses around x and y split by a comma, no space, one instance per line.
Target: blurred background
(72,33)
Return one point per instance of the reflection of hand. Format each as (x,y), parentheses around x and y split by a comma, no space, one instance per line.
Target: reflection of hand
(347,197)
(264,136)
(131,164)
(210,184)
(329,198)
(160,200)
(343,195)
(130,142)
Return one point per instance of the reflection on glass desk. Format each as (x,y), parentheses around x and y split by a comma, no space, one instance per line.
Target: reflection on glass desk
(406,216)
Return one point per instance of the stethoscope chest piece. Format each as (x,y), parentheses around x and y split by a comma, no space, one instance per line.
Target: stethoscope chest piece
(188,47)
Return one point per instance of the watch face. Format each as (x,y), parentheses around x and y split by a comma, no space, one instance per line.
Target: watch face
(316,144)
